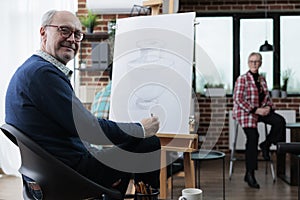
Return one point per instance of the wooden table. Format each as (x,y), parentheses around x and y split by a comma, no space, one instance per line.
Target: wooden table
(185,143)
(292,179)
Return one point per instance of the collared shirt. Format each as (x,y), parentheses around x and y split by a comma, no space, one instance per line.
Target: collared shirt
(55,62)
(101,103)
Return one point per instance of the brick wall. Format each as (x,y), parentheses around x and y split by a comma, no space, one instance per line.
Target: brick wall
(238,5)
(203,6)
(213,122)
(93,77)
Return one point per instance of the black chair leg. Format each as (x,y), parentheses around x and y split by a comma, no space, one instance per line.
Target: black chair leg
(26,193)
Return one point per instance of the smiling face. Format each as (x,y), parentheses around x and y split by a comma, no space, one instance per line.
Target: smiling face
(62,48)
(254,62)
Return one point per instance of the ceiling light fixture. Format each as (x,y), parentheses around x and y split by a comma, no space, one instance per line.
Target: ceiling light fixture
(266,46)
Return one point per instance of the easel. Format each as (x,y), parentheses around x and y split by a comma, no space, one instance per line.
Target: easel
(185,143)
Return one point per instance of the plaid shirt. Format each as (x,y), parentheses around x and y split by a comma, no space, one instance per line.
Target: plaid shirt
(246,98)
(100,106)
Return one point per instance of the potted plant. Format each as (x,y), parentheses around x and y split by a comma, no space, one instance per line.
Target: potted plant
(89,21)
(275,93)
(285,78)
(214,90)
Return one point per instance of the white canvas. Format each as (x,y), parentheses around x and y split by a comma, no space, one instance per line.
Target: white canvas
(152,70)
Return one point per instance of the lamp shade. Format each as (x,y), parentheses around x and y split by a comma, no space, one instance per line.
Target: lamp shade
(266,47)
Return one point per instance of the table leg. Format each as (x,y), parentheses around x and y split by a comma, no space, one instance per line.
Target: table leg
(189,170)
(163,175)
(281,165)
(223,178)
(197,173)
(295,137)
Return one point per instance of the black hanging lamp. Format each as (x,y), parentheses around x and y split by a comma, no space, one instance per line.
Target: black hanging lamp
(266,46)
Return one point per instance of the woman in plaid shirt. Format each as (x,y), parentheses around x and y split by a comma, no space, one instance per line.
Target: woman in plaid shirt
(252,104)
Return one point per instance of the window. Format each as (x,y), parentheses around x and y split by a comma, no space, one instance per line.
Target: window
(253,33)
(214,52)
(225,40)
(289,40)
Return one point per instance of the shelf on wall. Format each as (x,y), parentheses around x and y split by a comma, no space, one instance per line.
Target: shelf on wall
(96,36)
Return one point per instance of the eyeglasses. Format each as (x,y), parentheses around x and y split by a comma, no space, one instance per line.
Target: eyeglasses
(254,61)
(66,32)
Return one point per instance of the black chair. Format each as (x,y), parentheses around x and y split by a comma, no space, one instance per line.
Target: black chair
(293,148)
(57,180)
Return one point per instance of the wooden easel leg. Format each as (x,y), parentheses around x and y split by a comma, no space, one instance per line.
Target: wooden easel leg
(155,10)
(171,6)
(163,175)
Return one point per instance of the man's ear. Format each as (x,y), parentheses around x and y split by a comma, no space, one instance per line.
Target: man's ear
(43,34)
(42,31)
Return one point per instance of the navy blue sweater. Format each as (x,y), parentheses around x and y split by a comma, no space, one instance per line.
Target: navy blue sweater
(40,101)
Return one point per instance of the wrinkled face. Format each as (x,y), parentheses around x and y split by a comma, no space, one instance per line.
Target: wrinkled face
(54,39)
(254,63)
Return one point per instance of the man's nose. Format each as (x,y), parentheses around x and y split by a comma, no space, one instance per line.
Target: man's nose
(72,37)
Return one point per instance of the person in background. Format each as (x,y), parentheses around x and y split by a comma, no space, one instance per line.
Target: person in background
(40,101)
(101,104)
(252,104)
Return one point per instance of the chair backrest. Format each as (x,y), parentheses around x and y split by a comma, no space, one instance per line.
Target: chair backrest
(57,180)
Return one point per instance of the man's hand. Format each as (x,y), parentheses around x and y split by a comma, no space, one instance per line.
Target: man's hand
(151,126)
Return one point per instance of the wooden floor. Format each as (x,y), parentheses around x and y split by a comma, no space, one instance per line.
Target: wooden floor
(236,188)
(211,184)
(10,188)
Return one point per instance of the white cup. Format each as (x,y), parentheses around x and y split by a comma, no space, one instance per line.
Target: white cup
(191,194)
